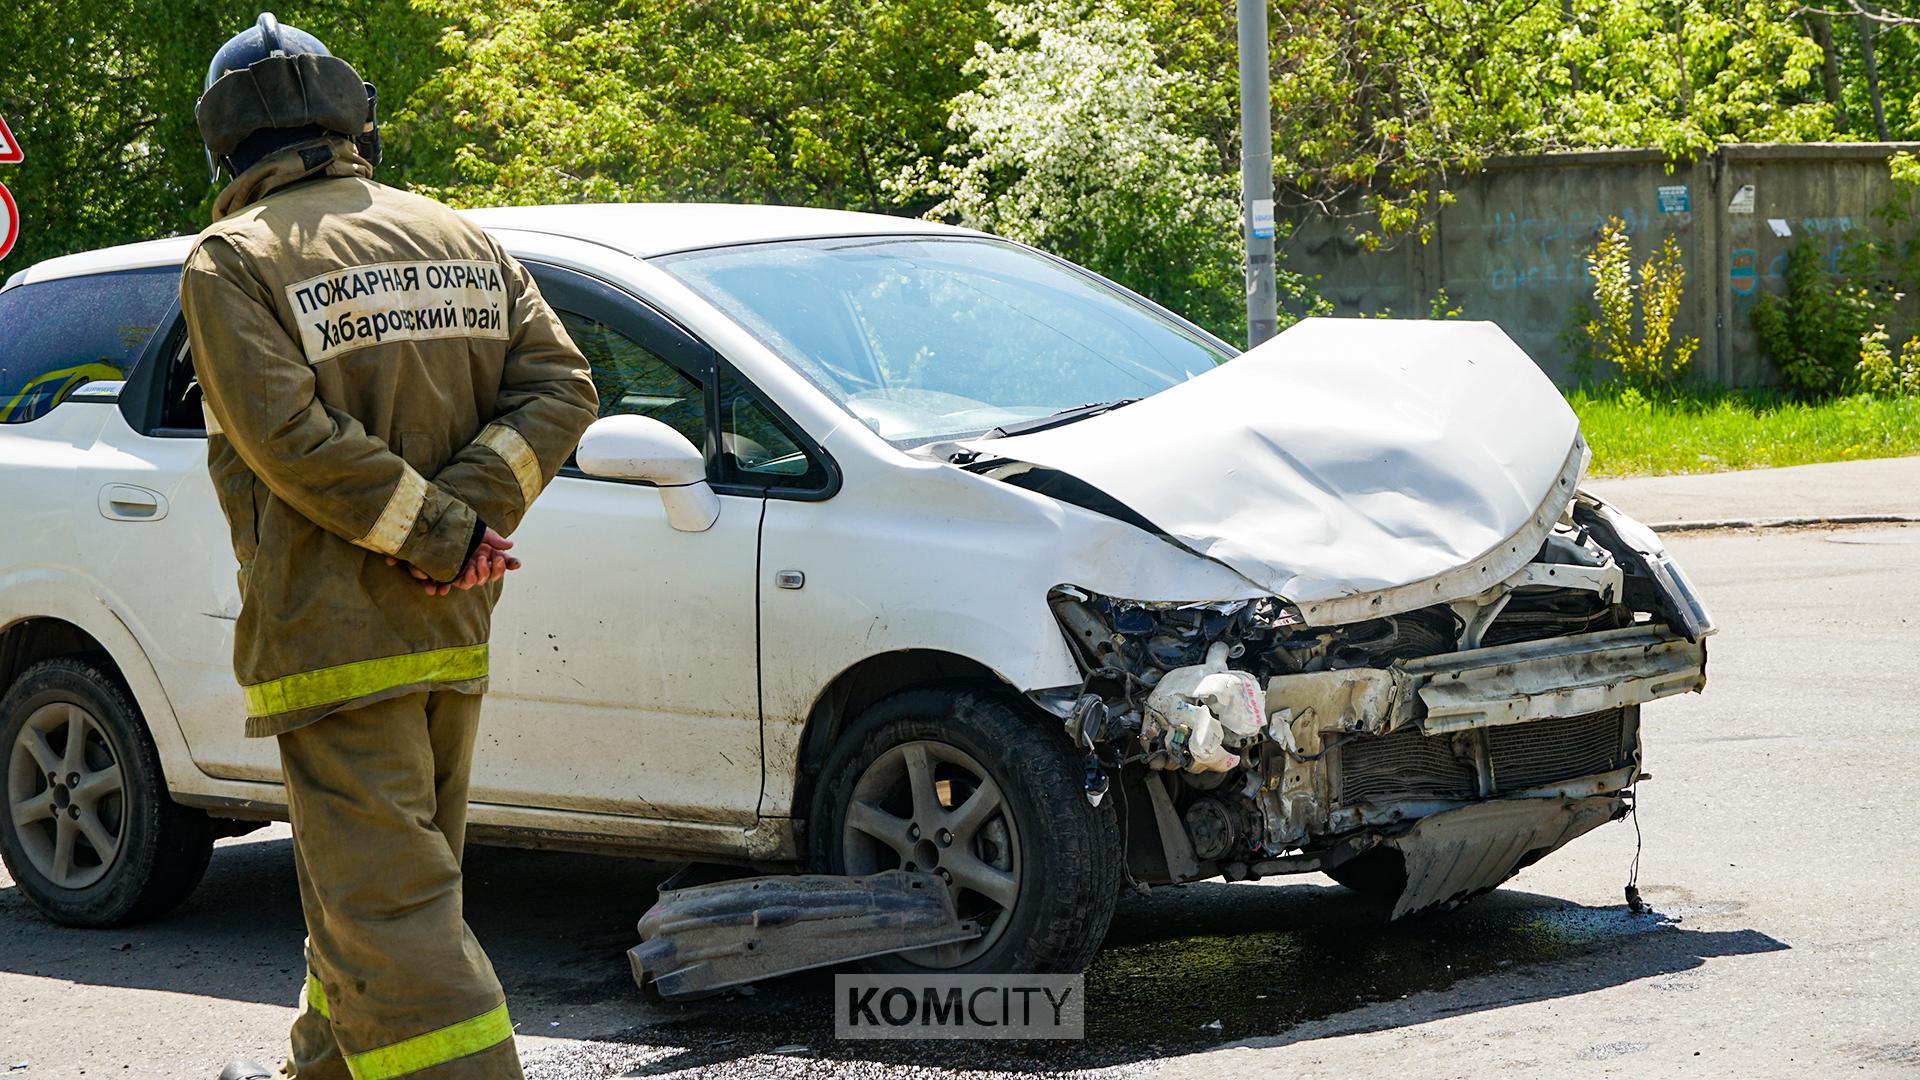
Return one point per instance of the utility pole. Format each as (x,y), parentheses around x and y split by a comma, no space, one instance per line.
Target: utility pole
(1256,169)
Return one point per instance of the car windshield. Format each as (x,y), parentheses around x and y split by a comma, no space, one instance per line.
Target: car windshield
(927,338)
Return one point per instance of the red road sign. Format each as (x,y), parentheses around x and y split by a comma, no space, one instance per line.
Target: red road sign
(9,221)
(9,146)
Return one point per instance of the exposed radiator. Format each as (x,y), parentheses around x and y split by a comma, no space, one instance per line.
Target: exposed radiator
(1409,765)
(1404,765)
(1530,755)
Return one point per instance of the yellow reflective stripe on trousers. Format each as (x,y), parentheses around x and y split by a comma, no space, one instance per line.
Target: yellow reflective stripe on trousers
(333,685)
(513,448)
(490,1028)
(316,995)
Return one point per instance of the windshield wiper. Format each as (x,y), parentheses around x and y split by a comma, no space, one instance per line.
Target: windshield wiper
(1059,419)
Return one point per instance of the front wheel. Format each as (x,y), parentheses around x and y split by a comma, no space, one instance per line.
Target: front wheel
(964,785)
(90,835)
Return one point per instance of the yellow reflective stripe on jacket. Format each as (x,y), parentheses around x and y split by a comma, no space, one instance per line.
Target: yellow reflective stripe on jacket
(395,524)
(332,685)
(317,995)
(490,1028)
(505,440)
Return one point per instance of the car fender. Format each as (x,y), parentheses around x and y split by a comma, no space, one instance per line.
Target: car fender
(48,592)
(918,556)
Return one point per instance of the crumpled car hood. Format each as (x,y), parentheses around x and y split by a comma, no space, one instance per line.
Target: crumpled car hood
(1344,458)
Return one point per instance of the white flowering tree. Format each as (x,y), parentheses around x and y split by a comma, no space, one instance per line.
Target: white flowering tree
(1068,143)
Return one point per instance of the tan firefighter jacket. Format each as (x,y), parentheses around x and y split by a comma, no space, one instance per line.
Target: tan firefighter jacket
(379,378)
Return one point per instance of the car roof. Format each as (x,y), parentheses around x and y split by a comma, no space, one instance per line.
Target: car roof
(643,230)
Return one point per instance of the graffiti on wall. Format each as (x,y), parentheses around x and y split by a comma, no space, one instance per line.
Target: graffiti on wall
(1550,252)
(1744,275)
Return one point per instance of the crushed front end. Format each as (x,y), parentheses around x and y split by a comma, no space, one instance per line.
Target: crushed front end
(1451,743)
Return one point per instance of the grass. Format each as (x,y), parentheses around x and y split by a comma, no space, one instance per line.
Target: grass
(1711,430)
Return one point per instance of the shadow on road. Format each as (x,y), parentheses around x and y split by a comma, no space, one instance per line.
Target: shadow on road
(1259,960)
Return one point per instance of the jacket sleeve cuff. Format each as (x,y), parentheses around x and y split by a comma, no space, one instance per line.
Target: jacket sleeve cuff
(443,537)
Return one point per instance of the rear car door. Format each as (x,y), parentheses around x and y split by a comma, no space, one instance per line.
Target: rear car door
(164,544)
(146,529)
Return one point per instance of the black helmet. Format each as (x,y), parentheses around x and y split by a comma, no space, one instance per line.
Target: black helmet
(271,86)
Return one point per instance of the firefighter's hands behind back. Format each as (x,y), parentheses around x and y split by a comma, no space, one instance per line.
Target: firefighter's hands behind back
(488,563)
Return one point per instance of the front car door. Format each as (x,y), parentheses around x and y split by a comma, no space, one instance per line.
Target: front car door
(625,678)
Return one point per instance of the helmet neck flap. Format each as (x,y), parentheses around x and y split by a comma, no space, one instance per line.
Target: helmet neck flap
(270,87)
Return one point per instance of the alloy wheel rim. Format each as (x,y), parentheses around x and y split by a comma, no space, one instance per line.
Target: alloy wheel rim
(65,795)
(931,807)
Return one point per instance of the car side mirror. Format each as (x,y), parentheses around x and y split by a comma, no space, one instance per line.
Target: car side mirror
(641,448)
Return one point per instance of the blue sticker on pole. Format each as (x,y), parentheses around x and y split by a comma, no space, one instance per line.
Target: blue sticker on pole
(1673,199)
(1260,218)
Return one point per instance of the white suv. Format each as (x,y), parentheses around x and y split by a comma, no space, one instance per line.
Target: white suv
(897,546)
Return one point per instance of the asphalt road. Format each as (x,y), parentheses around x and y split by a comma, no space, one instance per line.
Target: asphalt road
(1778,857)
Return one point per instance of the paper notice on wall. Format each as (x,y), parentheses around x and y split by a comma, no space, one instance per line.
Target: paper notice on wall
(1673,199)
(1742,202)
(1779,226)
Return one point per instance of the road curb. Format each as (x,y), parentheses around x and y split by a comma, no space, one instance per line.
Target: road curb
(1783,522)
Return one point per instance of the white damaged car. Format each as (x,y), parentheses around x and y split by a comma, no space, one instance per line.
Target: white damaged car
(898,546)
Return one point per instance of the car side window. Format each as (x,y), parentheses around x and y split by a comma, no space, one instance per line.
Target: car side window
(644,363)
(63,334)
(759,448)
(633,379)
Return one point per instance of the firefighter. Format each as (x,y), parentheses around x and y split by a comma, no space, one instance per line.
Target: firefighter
(386,394)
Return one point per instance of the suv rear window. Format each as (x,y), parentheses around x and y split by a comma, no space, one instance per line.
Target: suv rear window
(57,336)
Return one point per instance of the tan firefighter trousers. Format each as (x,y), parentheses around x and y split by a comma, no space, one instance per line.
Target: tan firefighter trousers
(396,984)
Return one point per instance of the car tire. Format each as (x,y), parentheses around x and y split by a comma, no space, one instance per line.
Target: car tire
(1062,853)
(112,848)
(1380,872)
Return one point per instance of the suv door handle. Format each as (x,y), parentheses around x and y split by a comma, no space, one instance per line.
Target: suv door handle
(124,502)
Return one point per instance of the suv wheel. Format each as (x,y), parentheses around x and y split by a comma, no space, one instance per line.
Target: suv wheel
(967,786)
(90,835)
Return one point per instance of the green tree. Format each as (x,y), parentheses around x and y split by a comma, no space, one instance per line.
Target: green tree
(101,97)
(1379,108)
(811,102)
(1070,145)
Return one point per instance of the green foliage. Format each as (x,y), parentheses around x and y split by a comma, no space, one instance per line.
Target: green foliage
(1441,306)
(1884,374)
(810,103)
(1378,109)
(1702,430)
(1632,327)
(1813,332)
(101,97)
(1069,144)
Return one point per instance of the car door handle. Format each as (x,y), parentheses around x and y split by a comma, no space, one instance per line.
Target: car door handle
(124,502)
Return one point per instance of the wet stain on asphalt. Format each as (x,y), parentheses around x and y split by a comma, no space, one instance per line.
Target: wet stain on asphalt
(1183,971)
(1187,969)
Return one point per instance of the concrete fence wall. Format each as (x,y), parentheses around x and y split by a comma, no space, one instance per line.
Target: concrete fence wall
(1513,247)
